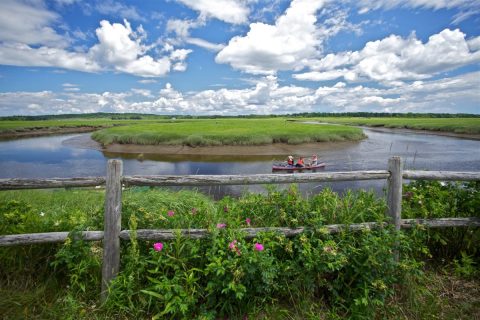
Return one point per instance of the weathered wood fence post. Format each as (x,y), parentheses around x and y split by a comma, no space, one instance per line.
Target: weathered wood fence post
(394,194)
(112,224)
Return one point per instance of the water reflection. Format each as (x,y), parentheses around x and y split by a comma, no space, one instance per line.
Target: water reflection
(60,156)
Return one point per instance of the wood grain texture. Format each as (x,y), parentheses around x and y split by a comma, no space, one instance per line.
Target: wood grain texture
(441,175)
(201,180)
(16,184)
(112,224)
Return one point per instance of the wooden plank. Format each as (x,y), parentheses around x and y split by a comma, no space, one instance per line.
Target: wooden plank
(47,237)
(201,180)
(112,224)
(442,222)
(441,175)
(394,191)
(169,234)
(15,184)
(394,197)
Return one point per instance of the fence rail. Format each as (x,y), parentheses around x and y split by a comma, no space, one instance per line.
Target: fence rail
(112,233)
(201,180)
(170,234)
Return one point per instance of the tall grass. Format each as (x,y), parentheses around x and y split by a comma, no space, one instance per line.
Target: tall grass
(237,132)
(456,125)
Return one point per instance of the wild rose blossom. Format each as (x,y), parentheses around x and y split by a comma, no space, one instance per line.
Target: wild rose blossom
(171,213)
(158,246)
(221,225)
(233,246)
(259,246)
(248,221)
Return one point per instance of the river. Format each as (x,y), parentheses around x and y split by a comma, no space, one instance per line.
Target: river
(75,155)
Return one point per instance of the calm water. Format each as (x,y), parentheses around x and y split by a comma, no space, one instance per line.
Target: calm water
(70,156)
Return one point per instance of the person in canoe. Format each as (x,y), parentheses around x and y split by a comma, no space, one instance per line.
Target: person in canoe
(290,161)
(314,160)
(300,163)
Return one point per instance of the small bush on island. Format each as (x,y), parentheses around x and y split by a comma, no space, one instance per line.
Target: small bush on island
(313,275)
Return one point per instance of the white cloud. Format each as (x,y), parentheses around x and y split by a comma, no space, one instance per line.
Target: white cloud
(465,8)
(456,94)
(231,11)
(27,38)
(205,44)
(287,45)
(147,81)
(368,5)
(119,48)
(181,28)
(395,58)
(18,54)
(29,22)
(114,8)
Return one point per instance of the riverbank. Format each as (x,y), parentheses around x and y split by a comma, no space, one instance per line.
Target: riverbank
(33,132)
(470,127)
(275,149)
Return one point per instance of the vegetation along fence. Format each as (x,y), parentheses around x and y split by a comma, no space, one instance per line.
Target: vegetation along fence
(112,233)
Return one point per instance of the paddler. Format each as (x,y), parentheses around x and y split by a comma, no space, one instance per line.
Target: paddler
(300,163)
(290,161)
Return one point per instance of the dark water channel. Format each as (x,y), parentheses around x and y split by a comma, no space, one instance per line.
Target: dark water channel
(74,155)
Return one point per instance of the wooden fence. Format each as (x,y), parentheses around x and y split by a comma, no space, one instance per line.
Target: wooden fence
(112,233)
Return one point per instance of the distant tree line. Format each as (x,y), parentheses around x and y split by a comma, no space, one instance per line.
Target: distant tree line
(139,116)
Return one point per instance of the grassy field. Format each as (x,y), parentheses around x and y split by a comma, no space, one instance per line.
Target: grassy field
(456,125)
(12,126)
(216,132)
(311,276)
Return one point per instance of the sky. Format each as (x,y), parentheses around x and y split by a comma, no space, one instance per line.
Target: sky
(235,57)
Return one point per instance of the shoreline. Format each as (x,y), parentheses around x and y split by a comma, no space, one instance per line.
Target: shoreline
(275,149)
(45,132)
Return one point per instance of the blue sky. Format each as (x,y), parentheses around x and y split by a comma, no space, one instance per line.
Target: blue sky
(232,57)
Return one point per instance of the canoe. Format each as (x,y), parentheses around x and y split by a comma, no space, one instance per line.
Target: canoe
(292,168)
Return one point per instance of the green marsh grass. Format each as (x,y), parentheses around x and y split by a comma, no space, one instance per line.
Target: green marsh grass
(456,125)
(217,132)
(11,126)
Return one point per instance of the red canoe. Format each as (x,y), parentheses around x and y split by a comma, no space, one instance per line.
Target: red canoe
(291,168)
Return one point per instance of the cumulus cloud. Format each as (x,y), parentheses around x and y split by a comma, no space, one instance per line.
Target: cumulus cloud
(395,58)
(455,94)
(28,22)
(230,11)
(293,42)
(18,54)
(287,45)
(119,47)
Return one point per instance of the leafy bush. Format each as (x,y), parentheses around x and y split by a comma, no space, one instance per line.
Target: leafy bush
(227,274)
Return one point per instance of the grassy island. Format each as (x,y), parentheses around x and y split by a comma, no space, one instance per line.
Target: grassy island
(218,132)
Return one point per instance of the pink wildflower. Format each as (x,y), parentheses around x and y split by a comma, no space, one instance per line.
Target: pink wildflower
(171,213)
(258,246)
(221,225)
(158,246)
(233,246)
(194,210)
(248,221)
